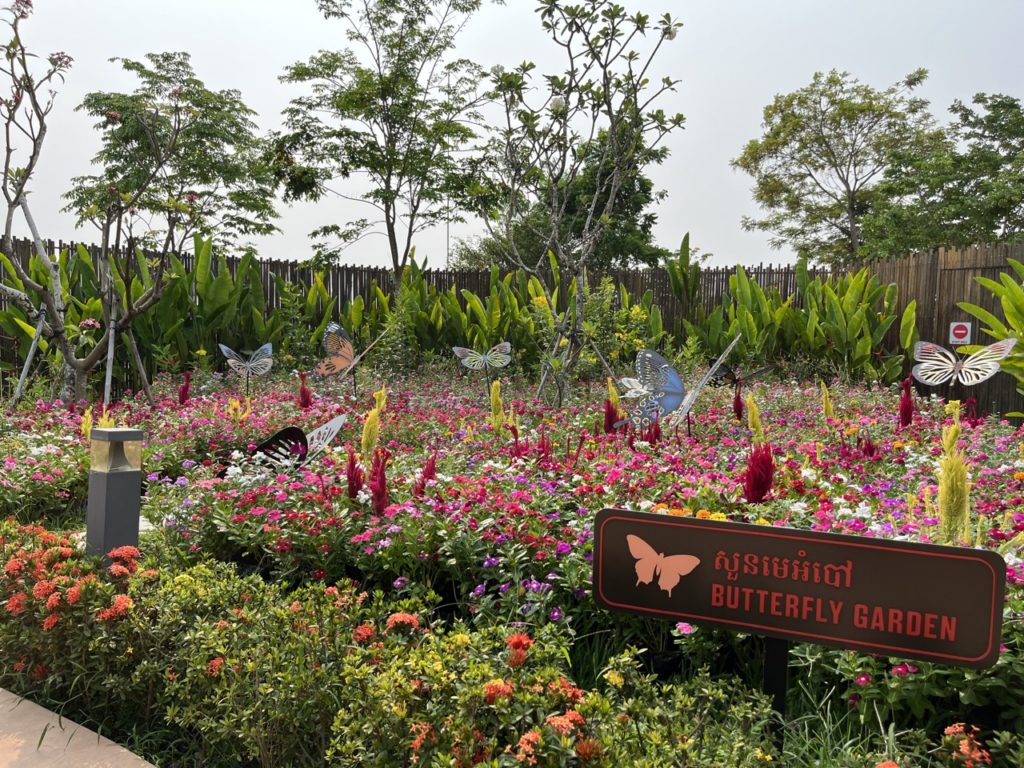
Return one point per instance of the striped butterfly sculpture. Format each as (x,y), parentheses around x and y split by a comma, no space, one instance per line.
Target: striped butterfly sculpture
(293,447)
(936,365)
(497,356)
(257,364)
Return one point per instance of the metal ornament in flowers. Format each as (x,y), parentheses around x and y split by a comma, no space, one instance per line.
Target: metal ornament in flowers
(936,365)
(257,364)
(498,356)
(661,388)
(292,446)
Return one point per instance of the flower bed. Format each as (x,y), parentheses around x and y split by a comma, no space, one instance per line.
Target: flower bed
(480,535)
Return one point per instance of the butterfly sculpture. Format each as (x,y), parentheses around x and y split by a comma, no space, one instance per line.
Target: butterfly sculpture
(497,356)
(666,395)
(727,375)
(650,563)
(937,365)
(257,364)
(293,446)
(340,354)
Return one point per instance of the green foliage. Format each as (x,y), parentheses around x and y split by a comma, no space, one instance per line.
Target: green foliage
(177,151)
(618,327)
(684,281)
(399,112)
(966,188)
(822,154)
(839,324)
(1009,289)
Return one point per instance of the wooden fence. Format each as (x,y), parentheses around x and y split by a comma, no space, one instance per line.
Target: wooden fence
(937,280)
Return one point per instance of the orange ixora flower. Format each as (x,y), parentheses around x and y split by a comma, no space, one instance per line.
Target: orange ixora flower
(119,608)
(497,689)
(888,764)
(364,633)
(402,620)
(519,641)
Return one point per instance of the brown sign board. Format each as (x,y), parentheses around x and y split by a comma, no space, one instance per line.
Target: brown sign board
(892,598)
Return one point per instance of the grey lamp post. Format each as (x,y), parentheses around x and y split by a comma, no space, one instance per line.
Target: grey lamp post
(115,490)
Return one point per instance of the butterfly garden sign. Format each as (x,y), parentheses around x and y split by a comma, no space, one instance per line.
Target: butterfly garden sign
(892,598)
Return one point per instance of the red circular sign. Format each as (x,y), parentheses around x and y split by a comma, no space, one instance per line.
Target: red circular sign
(960,331)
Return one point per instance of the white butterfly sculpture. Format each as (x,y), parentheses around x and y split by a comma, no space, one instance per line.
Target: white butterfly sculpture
(259,362)
(291,446)
(497,356)
(937,365)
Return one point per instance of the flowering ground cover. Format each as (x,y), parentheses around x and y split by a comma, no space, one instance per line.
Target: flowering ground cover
(471,637)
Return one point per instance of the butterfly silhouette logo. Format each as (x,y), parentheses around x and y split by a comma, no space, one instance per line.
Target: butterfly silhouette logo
(650,563)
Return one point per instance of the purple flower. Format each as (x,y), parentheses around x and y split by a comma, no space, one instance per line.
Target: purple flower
(504,587)
(491,561)
(182,482)
(400,582)
(187,464)
(479,590)
(555,615)
(563,548)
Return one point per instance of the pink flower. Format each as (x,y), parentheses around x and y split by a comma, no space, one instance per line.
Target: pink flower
(862,679)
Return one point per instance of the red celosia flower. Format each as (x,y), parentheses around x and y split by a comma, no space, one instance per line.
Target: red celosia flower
(353,475)
(378,481)
(183,390)
(119,608)
(906,411)
(611,417)
(402,620)
(519,641)
(428,473)
(364,633)
(757,480)
(305,393)
(737,403)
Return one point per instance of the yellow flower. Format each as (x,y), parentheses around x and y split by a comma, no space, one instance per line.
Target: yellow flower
(718,516)
(461,638)
(200,352)
(660,507)
(762,521)
(614,678)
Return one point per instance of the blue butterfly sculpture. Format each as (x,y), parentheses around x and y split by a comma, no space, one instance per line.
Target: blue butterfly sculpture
(662,390)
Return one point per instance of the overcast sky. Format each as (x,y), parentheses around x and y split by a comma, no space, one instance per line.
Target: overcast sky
(731,58)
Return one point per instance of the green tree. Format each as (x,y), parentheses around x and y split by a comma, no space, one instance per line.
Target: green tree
(399,115)
(177,159)
(626,241)
(968,189)
(600,116)
(823,152)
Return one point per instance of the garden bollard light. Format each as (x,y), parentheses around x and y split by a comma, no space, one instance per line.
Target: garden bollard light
(115,490)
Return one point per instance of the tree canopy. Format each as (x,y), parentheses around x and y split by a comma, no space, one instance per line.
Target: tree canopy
(823,152)
(395,110)
(968,189)
(176,159)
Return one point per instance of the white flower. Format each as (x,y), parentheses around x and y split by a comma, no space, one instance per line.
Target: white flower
(557,105)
